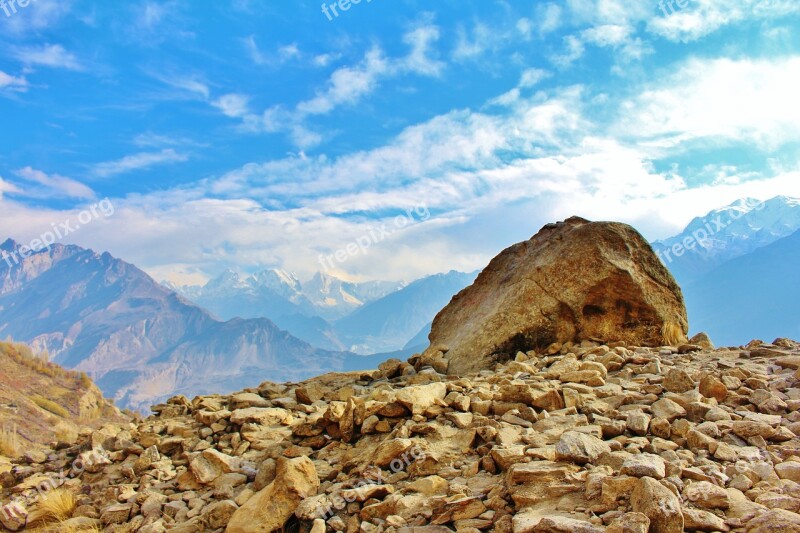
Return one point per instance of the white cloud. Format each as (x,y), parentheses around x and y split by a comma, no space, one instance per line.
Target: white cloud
(12,83)
(573,50)
(421,40)
(548,18)
(6,187)
(193,85)
(348,85)
(702,17)
(233,105)
(323,60)
(137,162)
(283,54)
(533,76)
(290,51)
(49,55)
(721,100)
(153,140)
(34,18)
(52,185)
(607,34)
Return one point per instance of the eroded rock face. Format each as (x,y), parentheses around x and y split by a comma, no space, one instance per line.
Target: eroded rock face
(572,281)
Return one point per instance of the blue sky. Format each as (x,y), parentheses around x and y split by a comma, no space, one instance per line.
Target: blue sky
(258,134)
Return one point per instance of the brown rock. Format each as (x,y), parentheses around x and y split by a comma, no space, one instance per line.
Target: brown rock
(269,509)
(116,514)
(561,524)
(774,521)
(580,448)
(678,380)
(629,523)
(707,495)
(702,340)
(659,504)
(699,520)
(13,516)
(218,514)
(789,470)
(644,465)
(309,393)
(666,408)
(752,428)
(712,387)
(573,280)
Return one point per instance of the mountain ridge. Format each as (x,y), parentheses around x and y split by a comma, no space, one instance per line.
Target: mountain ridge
(138,339)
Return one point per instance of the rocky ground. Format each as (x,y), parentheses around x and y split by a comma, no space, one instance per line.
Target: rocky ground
(578,439)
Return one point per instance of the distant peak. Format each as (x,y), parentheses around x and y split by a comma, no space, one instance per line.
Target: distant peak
(9,245)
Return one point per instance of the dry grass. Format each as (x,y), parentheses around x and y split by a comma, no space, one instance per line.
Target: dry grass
(51,406)
(672,334)
(72,526)
(9,443)
(57,505)
(67,433)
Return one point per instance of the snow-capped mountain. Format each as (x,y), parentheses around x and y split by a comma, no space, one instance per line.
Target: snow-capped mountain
(335,298)
(727,233)
(302,309)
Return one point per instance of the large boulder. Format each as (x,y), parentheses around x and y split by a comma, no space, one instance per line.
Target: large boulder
(574,280)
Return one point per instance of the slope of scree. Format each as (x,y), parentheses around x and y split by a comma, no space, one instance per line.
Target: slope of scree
(579,438)
(573,280)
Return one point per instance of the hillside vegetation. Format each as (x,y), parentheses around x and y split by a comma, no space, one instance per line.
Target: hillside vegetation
(41,402)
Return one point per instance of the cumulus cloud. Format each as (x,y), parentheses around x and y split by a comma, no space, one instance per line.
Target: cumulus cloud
(723,100)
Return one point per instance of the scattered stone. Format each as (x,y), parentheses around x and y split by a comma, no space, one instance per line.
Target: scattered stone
(644,465)
(580,448)
(659,504)
(678,380)
(269,509)
(707,495)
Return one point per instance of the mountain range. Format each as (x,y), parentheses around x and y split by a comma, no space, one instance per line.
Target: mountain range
(737,266)
(139,340)
(327,312)
(727,233)
(143,341)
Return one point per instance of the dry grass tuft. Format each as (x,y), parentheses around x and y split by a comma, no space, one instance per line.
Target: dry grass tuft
(672,334)
(57,505)
(51,406)
(9,443)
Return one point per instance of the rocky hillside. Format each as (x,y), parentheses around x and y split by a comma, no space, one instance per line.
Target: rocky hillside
(41,402)
(577,438)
